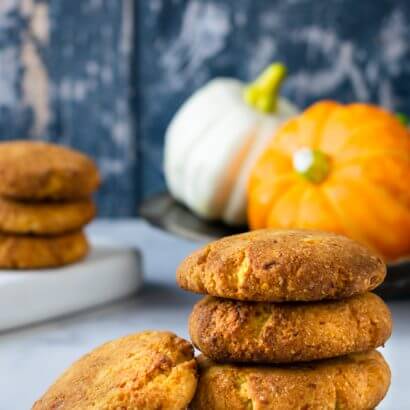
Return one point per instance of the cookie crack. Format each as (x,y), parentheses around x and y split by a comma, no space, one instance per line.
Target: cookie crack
(243,390)
(355,316)
(242,271)
(199,274)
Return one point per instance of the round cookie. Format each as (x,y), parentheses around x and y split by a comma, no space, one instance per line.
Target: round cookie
(355,382)
(282,265)
(38,170)
(44,218)
(34,252)
(148,370)
(257,332)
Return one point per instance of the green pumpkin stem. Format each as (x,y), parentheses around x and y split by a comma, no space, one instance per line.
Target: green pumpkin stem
(263,93)
(403,118)
(312,164)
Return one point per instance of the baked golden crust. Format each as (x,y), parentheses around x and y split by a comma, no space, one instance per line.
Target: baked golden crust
(148,370)
(34,252)
(44,218)
(282,265)
(38,170)
(355,382)
(260,332)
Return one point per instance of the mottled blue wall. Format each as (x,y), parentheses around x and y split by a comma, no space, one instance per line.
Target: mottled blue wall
(66,75)
(106,76)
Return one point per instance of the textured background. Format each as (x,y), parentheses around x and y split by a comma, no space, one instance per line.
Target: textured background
(106,76)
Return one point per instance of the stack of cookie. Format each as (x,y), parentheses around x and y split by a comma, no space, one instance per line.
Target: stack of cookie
(289,323)
(45,200)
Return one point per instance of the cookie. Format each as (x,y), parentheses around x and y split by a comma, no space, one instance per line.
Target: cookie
(148,370)
(38,170)
(34,252)
(282,265)
(355,382)
(261,332)
(44,218)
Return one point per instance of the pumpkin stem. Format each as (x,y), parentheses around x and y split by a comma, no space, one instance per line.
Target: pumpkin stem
(312,164)
(263,93)
(403,118)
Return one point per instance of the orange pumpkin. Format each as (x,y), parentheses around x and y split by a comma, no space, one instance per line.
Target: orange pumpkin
(340,168)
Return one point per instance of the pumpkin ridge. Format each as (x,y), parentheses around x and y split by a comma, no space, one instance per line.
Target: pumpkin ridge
(280,178)
(339,175)
(287,191)
(187,149)
(317,196)
(287,177)
(199,145)
(221,196)
(332,208)
(255,137)
(339,163)
(349,230)
(302,199)
(225,189)
(357,130)
(320,134)
(272,149)
(321,109)
(369,185)
(371,234)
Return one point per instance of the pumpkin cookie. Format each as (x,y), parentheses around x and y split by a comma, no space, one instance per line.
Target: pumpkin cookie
(149,370)
(227,330)
(282,265)
(38,170)
(44,218)
(34,252)
(356,382)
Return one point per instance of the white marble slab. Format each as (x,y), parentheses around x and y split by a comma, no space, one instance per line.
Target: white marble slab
(105,275)
(31,358)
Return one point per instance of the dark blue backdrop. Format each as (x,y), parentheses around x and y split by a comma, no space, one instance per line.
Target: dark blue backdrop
(106,76)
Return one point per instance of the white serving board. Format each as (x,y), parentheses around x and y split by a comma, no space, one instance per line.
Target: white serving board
(107,274)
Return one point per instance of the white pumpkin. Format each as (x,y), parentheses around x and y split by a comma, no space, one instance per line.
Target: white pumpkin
(215,138)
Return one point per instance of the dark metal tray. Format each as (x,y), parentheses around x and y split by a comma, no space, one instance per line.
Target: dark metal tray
(164,212)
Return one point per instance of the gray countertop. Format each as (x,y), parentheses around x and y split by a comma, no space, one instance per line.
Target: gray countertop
(32,357)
